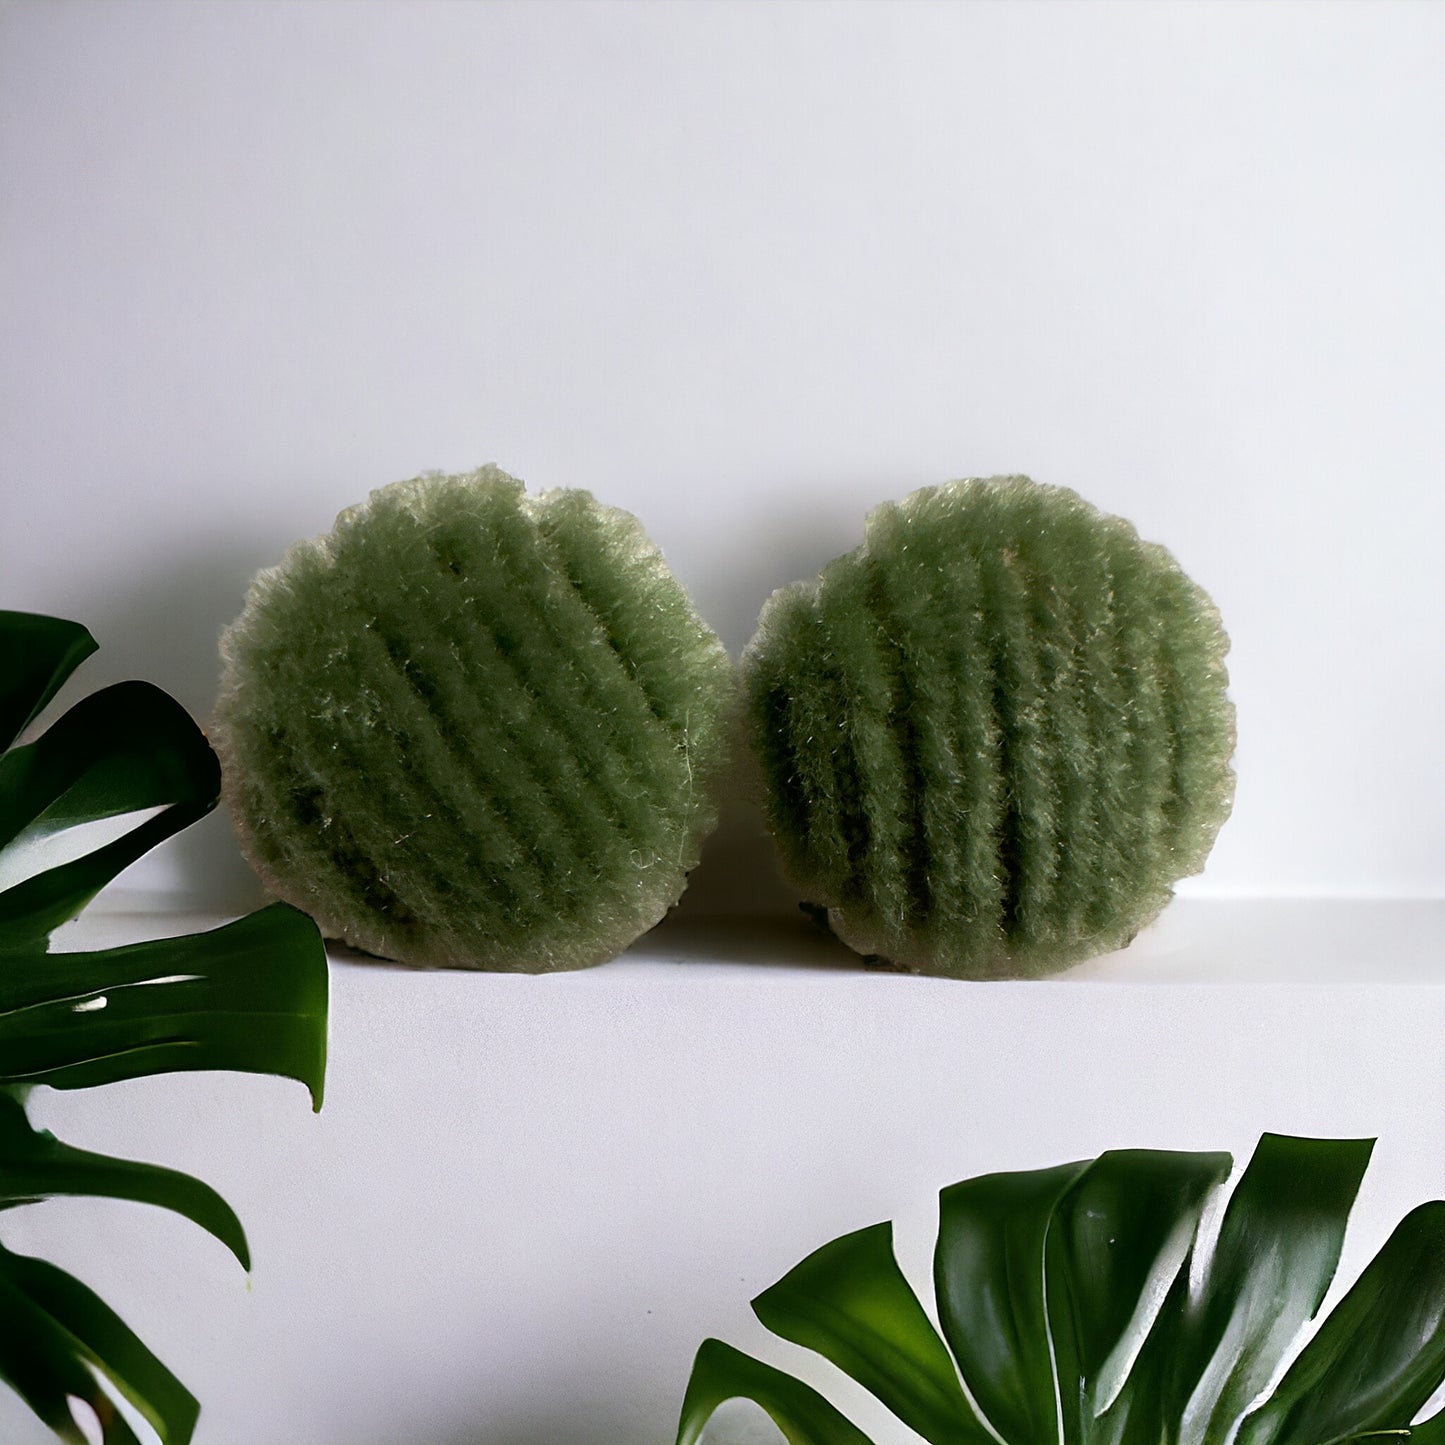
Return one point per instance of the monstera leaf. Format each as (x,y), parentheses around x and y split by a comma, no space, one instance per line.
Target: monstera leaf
(119,772)
(1082,1306)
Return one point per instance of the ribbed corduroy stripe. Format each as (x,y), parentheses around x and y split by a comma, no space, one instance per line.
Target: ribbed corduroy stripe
(475,728)
(995,735)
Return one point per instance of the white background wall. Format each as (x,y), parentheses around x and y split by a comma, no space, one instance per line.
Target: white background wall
(745,270)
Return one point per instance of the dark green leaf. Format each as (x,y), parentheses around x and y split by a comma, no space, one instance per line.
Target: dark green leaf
(1429,1432)
(722,1373)
(39,654)
(1124,1227)
(34,1165)
(250,996)
(1077,1299)
(1277,1252)
(1379,1356)
(39,1361)
(125,749)
(1142,1413)
(989,1275)
(850,1303)
(53,1325)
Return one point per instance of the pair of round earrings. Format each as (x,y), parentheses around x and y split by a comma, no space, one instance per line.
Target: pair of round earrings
(481,729)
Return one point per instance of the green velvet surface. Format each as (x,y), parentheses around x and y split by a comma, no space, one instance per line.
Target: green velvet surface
(994,736)
(475,728)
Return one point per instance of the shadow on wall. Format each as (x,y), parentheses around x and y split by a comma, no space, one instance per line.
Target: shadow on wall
(751,561)
(167,631)
(738,872)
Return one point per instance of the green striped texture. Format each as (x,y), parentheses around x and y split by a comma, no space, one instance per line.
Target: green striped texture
(473,728)
(995,735)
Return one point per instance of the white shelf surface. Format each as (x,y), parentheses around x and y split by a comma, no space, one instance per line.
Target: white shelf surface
(527,1200)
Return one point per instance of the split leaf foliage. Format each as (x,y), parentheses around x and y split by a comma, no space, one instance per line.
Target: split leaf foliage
(1083,1305)
(250,996)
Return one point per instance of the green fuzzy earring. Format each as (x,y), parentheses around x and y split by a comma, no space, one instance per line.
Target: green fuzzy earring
(473,728)
(994,736)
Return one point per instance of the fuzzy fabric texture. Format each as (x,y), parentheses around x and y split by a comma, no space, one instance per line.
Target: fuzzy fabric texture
(994,736)
(474,728)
